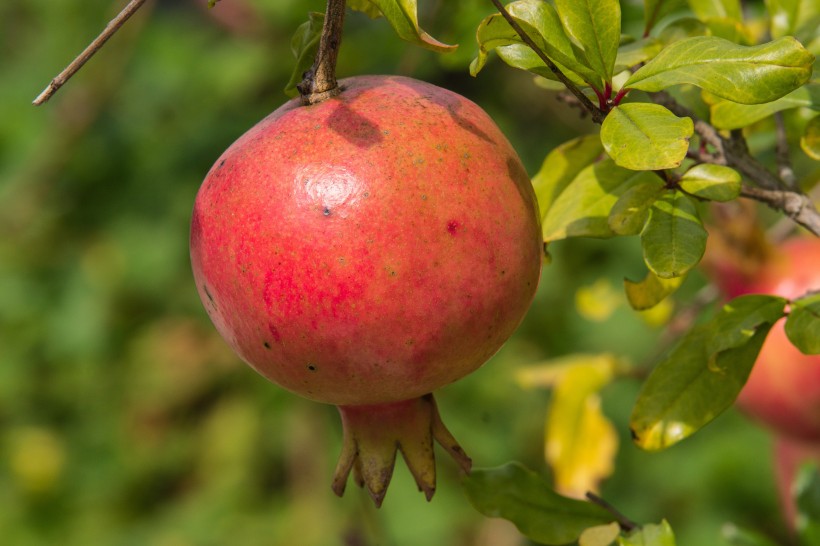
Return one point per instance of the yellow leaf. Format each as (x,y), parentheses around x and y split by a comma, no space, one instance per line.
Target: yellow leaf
(551,372)
(600,535)
(580,442)
(598,301)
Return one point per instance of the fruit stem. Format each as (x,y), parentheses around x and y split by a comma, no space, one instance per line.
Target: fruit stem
(320,83)
(373,434)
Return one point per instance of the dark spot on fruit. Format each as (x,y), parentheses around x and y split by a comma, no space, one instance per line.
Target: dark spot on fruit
(267,345)
(453,226)
(208,294)
(311,367)
(326,211)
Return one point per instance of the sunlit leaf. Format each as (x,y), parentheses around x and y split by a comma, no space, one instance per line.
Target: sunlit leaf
(597,302)
(713,182)
(550,373)
(745,74)
(365,6)
(650,535)
(540,22)
(631,211)
(562,165)
(646,136)
(600,535)
(403,17)
(685,27)
(708,9)
(649,292)
(803,324)
(637,52)
(683,393)
(304,45)
(582,209)
(731,115)
(810,140)
(740,319)
(596,25)
(517,494)
(673,239)
(580,442)
(783,16)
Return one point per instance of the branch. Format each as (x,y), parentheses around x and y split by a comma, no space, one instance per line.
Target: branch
(597,114)
(784,164)
(112,27)
(624,522)
(734,152)
(320,81)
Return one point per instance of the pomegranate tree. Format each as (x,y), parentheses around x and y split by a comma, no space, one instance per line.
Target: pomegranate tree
(366,250)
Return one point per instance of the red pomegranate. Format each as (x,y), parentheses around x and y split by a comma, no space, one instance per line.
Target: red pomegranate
(783,390)
(365,251)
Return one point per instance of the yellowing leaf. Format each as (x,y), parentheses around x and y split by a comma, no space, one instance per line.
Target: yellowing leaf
(598,301)
(600,535)
(581,442)
(550,373)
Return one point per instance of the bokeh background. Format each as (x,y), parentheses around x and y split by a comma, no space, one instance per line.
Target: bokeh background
(125,420)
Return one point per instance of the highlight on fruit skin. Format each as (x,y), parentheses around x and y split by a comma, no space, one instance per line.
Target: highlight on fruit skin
(366,251)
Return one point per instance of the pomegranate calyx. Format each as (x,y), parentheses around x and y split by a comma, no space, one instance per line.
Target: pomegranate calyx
(373,434)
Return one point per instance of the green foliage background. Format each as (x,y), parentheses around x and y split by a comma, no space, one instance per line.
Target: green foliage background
(125,420)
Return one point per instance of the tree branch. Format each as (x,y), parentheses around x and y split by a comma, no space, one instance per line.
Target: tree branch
(320,81)
(596,113)
(112,27)
(734,152)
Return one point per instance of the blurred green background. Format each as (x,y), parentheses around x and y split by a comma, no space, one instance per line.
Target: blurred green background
(125,420)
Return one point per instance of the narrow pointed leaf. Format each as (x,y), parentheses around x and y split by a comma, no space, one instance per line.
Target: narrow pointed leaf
(655,10)
(582,209)
(713,182)
(717,9)
(646,136)
(403,17)
(683,393)
(519,495)
(540,22)
(650,535)
(304,45)
(561,166)
(740,319)
(596,25)
(637,52)
(649,292)
(673,240)
(731,115)
(749,75)
(803,324)
(631,211)
(810,141)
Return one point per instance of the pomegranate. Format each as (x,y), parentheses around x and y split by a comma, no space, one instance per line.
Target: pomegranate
(365,251)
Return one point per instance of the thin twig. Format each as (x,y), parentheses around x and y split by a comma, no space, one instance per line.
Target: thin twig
(112,27)
(624,522)
(596,113)
(797,206)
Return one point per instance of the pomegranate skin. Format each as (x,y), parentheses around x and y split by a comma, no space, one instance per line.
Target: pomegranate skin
(371,248)
(783,390)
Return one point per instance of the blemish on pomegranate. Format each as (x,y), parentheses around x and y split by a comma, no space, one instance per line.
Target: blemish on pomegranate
(275,333)
(453,226)
(208,294)
(326,211)
(311,367)
(267,345)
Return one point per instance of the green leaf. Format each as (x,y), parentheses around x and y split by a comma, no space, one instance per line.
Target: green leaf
(673,240)
(403,17)
(596,25)
(803,324)
(582,209)
(685,27)
(304,45)
(740,319)
(540,22)
(683,393)
(782,16)
(631,211)
(713,182)
(807,497)
(649,292)
(717,9)
(561,166)
(637,52)
(655,10)
(650,535)
(810,141)
(517,494)
(645,136)
(731,115)
(600,535)
(749,75)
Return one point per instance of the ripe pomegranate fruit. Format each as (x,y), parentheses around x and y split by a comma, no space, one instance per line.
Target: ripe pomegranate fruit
(365,251)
